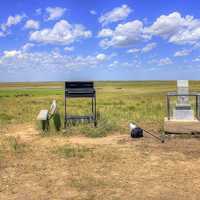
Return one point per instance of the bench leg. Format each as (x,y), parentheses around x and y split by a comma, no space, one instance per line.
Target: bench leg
(45,125)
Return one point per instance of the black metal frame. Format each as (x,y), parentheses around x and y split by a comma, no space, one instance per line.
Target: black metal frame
(80,89)
(174,94)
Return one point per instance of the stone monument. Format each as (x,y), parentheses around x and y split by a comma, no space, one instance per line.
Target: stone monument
(183,109)
(184,117)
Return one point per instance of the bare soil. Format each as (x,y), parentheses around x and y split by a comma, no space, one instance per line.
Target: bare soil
(117,167)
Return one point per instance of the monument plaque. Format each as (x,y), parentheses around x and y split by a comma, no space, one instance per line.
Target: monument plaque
(183,110)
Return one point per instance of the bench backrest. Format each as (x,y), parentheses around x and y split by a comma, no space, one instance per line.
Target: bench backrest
(53,108)
(79,84)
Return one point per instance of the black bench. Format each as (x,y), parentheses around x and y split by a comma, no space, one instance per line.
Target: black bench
(80,89)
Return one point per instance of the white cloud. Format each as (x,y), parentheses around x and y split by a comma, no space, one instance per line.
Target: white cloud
(196,59)
(38,11)
(115,63)
(93,12)
(162,61)
(2,34)
(32,24)
(10,54)
(106,32)
(182,53)
(54,60)
(149,47)
(124,35)
(55,13)
(117,14)
(176,29)
(135,50)
(27,46)
(11,21)
(62,33)
(101,57)
(145,49)
(69,48)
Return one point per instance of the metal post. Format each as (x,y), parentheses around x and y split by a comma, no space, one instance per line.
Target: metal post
(95,113)
(92,106)
(198,97)
(168,107)
(65,110)
(197,107)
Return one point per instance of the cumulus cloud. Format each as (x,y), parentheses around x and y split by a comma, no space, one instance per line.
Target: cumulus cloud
(124,35)
(2,34)
(117,14)
(69,48)
(101,57)
(149,47)
(55,13)
(32,24)
(182,53)
(196,59)
(11,21)
(27,46)
(106,32)
(54,60)
(62,33)
(38,11)
(10,54)
(176,29)
(134,50)
(162,61)
(93,12)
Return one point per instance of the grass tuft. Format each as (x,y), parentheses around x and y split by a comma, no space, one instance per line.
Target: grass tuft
(15,145)
(104,127)
(69,151)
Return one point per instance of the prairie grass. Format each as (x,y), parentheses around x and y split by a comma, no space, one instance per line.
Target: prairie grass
(118,102)
(11,147)
(68,151)
(15,145)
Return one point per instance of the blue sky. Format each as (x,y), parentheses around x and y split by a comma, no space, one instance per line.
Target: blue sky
(99,40)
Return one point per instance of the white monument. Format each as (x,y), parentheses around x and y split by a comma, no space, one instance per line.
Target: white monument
(183,110)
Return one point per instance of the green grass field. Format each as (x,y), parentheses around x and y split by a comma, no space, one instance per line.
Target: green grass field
(117,102)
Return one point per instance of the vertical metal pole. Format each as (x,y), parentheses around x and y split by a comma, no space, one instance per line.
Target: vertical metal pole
(65,109)
(95,112)
(198,102)
(168,108)
(197,107)
(92,106)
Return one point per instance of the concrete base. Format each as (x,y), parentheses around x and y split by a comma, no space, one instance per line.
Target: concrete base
(179,114)
(181,126)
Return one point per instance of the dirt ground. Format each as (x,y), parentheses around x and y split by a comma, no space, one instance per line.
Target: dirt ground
(117,167)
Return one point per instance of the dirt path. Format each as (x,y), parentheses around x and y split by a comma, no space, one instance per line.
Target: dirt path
(117,167)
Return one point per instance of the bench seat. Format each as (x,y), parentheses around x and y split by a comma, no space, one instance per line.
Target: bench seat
(43,115)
